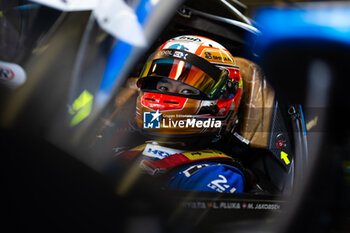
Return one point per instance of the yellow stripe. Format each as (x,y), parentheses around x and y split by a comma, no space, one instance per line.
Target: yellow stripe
(205,154)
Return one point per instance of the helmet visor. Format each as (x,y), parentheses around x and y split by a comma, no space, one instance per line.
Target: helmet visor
(182,71)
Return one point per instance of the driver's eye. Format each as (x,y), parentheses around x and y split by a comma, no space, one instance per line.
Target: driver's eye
(187,92)
(163,88)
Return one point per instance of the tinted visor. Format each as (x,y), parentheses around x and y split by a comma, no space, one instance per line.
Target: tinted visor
(182,71)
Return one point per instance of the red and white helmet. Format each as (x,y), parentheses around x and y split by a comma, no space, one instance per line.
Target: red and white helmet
(190,86)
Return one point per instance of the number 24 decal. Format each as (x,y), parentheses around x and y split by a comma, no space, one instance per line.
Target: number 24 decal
(221,184)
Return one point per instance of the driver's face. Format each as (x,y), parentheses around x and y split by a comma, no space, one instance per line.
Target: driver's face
(173,86)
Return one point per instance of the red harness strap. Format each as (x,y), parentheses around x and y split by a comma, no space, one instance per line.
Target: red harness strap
(131,155)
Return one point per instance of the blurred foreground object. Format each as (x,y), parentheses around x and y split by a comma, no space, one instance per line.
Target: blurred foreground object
(304,53)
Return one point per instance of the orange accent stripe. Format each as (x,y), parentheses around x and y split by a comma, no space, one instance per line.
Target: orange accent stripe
(200,49)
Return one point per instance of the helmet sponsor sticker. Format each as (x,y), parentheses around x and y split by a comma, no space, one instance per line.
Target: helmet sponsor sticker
(175,54)
(216,56)
(189,47)
(188,38)
(178,46)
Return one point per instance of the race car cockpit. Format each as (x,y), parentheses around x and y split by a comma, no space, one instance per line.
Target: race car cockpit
(75,81)
(262,136)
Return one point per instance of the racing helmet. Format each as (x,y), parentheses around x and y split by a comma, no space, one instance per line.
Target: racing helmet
(190,86)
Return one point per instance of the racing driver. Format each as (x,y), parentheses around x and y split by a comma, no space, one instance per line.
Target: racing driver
(190,91)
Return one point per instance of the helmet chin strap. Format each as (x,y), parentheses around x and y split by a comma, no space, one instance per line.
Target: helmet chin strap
(219,134)
(231,129)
